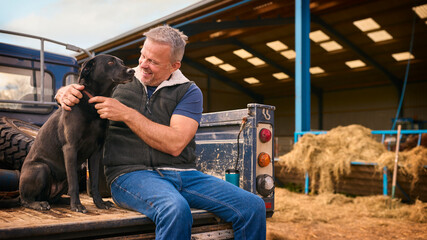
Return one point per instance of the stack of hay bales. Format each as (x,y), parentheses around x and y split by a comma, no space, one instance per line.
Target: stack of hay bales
(327,157)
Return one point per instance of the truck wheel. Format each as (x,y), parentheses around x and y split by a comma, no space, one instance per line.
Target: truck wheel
(16,139)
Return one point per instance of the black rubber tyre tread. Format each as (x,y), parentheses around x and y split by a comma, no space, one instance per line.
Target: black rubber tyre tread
(15,143)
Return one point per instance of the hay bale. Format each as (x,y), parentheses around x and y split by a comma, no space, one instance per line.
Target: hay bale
(410,162)
(327,157)
(329,207)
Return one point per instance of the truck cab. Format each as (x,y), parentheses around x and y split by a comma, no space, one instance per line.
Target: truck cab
(26,101)
(23,95)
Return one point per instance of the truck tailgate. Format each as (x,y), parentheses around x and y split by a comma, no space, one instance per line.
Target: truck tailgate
(61,223)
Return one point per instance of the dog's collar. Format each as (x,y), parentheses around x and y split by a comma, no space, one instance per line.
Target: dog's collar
(87,93)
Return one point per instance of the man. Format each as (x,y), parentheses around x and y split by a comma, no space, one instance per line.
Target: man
(149,153)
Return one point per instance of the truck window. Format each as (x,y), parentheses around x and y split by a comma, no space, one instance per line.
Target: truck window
(25,85)
(71,78)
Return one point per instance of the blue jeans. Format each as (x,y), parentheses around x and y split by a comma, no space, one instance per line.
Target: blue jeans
(167,201)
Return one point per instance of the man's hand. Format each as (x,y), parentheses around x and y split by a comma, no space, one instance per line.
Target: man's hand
(69,96)
(110,108)
(170,139)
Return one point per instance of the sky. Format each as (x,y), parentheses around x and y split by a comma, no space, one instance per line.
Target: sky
(84,23)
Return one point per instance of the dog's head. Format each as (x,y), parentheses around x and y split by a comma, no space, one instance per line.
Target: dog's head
(103,72)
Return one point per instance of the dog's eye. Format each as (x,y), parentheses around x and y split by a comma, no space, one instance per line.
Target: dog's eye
(110,63)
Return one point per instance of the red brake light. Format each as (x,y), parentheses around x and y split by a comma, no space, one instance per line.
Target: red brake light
(264,159)
(264,135)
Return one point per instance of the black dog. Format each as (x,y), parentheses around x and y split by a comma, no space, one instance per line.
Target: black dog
(68,138)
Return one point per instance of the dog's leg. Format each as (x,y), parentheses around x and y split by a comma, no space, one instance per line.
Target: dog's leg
(70,158)
(34,185)
(94,162)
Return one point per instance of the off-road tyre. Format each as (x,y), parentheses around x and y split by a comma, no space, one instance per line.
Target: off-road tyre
(16,139)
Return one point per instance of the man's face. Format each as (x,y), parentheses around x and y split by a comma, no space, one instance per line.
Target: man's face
(155,63)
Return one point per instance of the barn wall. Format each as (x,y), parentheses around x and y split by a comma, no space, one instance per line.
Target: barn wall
(372,107)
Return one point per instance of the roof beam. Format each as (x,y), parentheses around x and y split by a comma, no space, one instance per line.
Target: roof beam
(229,82)
(195,28)
(263,57)
(240,44)
(394,80)
(246,47)
(195,45)
(204,44)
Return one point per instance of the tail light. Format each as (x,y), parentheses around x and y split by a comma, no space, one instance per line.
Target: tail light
(264,135)
(264,169)
(264,185)
(264,159)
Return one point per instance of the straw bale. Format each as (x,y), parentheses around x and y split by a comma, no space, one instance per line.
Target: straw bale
(328,207)
(327,157)
(410,162)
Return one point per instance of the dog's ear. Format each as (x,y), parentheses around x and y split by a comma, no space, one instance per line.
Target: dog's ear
(85,72)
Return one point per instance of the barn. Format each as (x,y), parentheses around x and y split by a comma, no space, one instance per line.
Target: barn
(360,58)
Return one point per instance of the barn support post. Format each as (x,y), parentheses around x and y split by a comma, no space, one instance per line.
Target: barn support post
(302,69)
(302,65)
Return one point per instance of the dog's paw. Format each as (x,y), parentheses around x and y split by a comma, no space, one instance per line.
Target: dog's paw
(41,206)
(104,205)
(78,208)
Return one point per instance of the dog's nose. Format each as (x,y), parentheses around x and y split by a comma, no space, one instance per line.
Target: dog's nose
(130,71)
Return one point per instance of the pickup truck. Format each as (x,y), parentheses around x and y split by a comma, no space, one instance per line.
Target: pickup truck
(234,145)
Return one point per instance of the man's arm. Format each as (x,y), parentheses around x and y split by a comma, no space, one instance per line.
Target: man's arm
(170,139)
